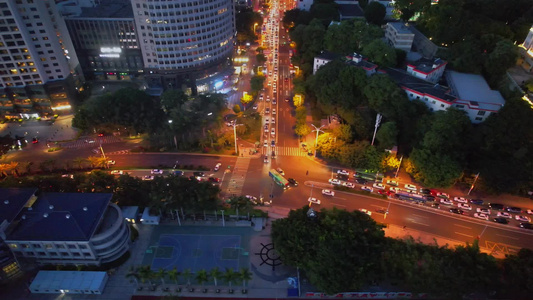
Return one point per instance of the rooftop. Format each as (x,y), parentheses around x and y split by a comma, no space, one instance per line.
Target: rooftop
(361,62)
(68,280)
(109,9)
(416,84)
(12,201)
(60,217)
(425,66)
(350,10)
(474,88)
(400,28)
(326,55)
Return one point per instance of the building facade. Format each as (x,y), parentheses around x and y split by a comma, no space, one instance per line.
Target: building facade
(526,52)
(184,41)
(105,40)
(399,36)
(39,67)
(428,70)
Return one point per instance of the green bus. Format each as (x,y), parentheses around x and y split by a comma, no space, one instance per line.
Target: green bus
(278,179)
(368,175)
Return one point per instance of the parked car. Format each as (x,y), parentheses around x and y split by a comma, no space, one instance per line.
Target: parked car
(313,200)
(156,172)
(379,186)
(522,218)
(442,195)
(526,225)
(334,181)
(410,187)
(360,180)
(343,172)
(265,159)
(217,166)
(501,220)
(392,182)
(328,192)
(424,191)
(385,193)
(529,211)
(367,188)
(252,199)
(111,162)
(464,206)
(446,201)
(213,179)
(148,177)
(280,170)
(457,211)
(485,211)
(198,174)
(481,216)
(117,172)
(496,206)
(348,184)
(292,181)
(476,201)
(513,209)
(365,211)
(504,214)
(460,199)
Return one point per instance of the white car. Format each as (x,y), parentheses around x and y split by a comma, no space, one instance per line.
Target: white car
(394,189)
(156,171)
(442,195)
(410,187)
(392,182)
(273,111)
(217,167)
(366,211)
(313,200)
(272,131)
(504,214)
(367,188)
(111,162)
(481,216)
(379,186)
(460,199)
(485,211)
(529,211)
(343,172)
(348,184)
(117,172)
(148,177)
(273,120)
(522,218)
(252,199)
(265,144)
(464,206)
(280,170)
(267,120)
(328,192)
(446,201)
(268,97)
(335,181)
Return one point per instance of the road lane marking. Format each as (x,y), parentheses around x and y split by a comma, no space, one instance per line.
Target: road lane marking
(509,237)
(462,226)
(467,235)
(378,206)
(416,222)
(338,204)
(420,216)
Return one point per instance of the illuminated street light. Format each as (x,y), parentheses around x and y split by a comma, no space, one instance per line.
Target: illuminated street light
(317,131)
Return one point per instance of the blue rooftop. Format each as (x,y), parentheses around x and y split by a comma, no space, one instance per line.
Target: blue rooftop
(61,217)
(12,201)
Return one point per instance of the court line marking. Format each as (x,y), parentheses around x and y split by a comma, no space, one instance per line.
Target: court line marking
(467,235)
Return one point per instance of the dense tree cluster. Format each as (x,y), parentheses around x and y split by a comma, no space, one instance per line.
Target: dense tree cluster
(341,251)
(244,23)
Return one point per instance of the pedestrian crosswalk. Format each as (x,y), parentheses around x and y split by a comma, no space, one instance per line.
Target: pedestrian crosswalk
(90,142)
(238,176)
(284,151)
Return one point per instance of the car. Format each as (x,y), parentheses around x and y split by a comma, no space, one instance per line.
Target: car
(522,218)
(504,214)
(442,195)
(410,187)
(280,170)
(266,128)
(67,176)
(328,192)
(496,206)
(292,181)
(501,220)
(360,180)
(198,174)
(476,201)
(111,162)
(394,189)
(460,199)
(429,198)
(287,99)
(464,206)
(529,211)
(272,131)
(435,205)
(178,173)
(365,211)
(268,97)
(117,172)
(343,172)
(446,201)
(213,179)
(34,140)
(267,120)
(272,120)
(217,167)
(265,144)
(392,182)
(424,191)
(485,211)
(148,177)
(367,188)
(379,186)
(251,199)
(526,225)
(254,107)
(383,192)
(261,97)
(267,111)
(265,159)
(457,211)
(313,200)
(481,216)
(513,209)
(348,184)
(101,134)
(156,171)
(342,177)
(335,181)
(274,103)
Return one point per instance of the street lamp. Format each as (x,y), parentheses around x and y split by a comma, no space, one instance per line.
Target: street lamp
(378,121)
(255,25)
(235,136)
(317,130)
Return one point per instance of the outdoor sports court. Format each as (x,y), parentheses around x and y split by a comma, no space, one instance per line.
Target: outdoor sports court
(198,248)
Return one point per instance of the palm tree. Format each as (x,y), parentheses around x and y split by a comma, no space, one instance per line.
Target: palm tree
(146,273)
(133,273)
(161,274)
(13,166)
(97,161)
(215,274)
(245,275)
(202,277)
(26,166)
(187,274)
(173,275)
(79,161)
(4,169)
(229,276)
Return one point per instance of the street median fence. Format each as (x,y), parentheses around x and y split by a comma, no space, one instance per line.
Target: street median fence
(369,295)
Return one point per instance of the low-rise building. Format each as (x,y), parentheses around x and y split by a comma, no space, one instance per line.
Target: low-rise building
(323,58)
(304,4)
(430,70)
(526,52)
(130,213)
(399,36)
(69,282)
(349,10)
(68,228)
(147,218)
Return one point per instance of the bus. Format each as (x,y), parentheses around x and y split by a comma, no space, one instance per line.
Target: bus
(410,196)
(368,175)
(278,179)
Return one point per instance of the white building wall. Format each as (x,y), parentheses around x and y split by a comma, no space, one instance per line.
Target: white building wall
(319,62)
(434,104)
(304,4)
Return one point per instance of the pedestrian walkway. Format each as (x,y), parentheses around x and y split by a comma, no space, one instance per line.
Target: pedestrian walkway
(284,151)
(91,142)
(238,176)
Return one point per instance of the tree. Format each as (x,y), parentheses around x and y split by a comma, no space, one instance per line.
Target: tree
(245,275)
(302,129)
(187,275)
(257,82)
(387,135)
(385,97)
(408,8)
(215,274)
(236,108)
(229,276)
(161,273)
(202,277)
(502,57)
(133,273)
(380,53)
(146,273)
(332,262)
(435,169)
(173,275)
(260,58)
(79,161)
(97,161)
(375,13)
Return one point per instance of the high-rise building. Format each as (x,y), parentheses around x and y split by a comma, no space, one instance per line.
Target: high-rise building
(38,63)
(185,41)
(104,38)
